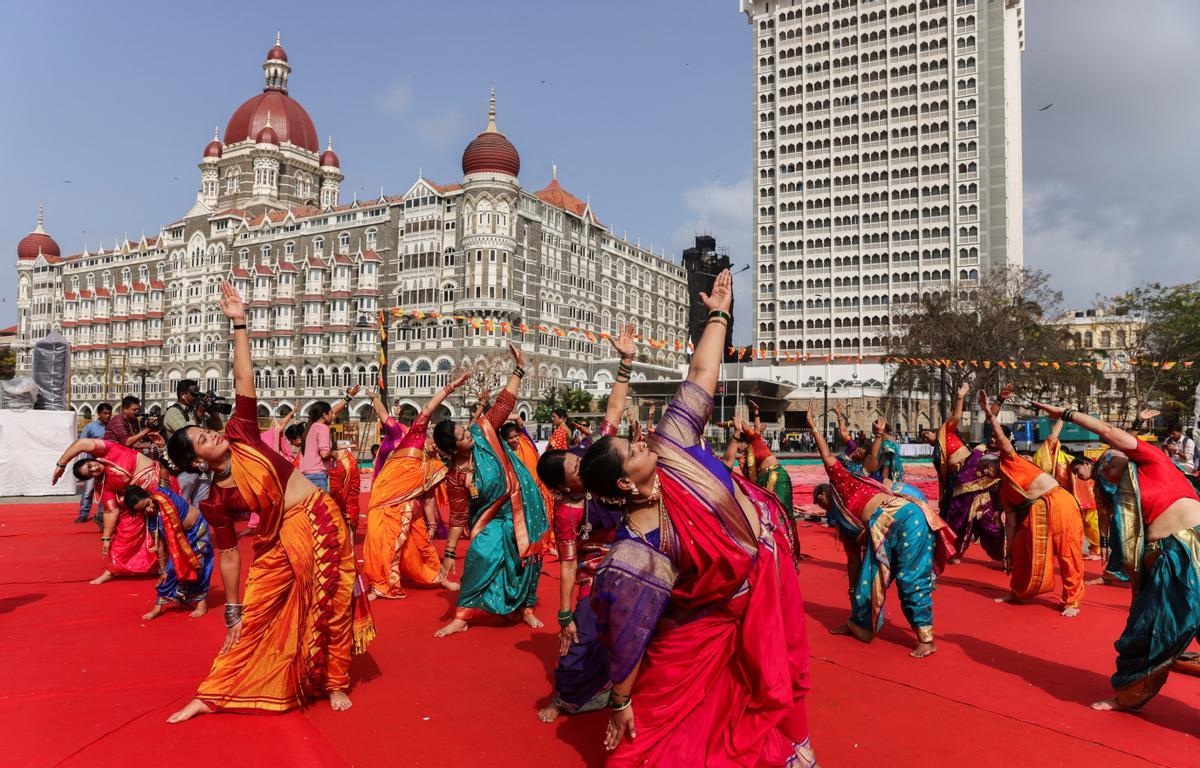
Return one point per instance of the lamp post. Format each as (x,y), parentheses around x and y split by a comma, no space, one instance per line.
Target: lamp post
(143,373)
(823,385)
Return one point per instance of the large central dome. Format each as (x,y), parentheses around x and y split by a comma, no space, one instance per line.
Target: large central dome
(288,119)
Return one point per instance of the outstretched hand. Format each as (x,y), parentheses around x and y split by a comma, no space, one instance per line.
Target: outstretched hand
(985,402)
(58,473)
(1053,411)
(624,344)
(879,427)
(462,379)
(808,416)
(231,303)
(518,355)
(721,297)
(964,389)
(1148,413)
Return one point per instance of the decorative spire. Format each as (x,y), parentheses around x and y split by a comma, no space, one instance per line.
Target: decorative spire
(553,172)
(268,125)
(277,38)
(328,144)
(216,133)
(40,228)
(491,128)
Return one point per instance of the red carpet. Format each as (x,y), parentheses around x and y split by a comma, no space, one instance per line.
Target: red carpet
(88,683)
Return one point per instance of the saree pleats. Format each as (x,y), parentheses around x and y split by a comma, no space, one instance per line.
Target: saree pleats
(397,545)
(971,511)
(132,553)
(1051,531)
(901,547)
(297,633)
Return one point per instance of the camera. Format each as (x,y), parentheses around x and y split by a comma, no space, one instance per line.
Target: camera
(151,421)
(213,403)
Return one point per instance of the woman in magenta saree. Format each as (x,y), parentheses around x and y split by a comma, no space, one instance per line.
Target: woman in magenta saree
(698,604)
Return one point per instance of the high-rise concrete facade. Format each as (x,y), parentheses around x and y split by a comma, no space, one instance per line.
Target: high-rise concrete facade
(887,161)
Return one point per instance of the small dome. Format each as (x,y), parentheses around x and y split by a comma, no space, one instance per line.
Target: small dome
(37,242)
(277,53)
(490,151)
(214,148)
(329,158)
(266,134)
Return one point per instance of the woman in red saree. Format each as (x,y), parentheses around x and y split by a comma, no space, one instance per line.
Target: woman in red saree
(292,638)
(401,519)
(125,543)
(698,603)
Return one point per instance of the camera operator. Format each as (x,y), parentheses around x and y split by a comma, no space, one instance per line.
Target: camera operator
(124,427)
(191,409)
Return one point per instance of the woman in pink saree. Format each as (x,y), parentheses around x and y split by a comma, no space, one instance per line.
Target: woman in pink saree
(698,604)
(125,544)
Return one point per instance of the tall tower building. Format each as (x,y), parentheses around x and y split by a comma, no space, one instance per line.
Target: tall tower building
(887,157)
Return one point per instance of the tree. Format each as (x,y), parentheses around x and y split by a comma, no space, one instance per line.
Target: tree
(491,373)
(1007,317)
(1170,334)
(8,364)
(571,400)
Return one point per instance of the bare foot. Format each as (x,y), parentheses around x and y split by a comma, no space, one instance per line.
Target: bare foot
(923,649)
(158,610)
(372,597)
(454,627)
(1094,582)
(1009,598)
(451,586)
(106,576)
(549,714)
(954,560)
(842,630)
(1105,705)
(200,609)
(193,708)
(1092,557)
(532,620)
(339,701)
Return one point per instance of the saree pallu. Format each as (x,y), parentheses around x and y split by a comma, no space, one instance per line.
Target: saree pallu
(132,552)
(1050,529)
(971,510)
(509,530)
(901,547)
(297,635)
(889,457)
(581,682)
(397,545)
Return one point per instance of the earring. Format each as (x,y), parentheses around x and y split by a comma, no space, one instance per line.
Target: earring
(202,466)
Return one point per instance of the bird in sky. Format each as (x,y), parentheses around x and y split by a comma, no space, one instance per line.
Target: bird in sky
(1043,109)
(66,181)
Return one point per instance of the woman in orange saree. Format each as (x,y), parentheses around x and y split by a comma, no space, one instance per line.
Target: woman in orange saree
(1054,461)
(399,542)
(292,638)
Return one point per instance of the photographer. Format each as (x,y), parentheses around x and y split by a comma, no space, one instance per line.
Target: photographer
(193,409)
(124,427)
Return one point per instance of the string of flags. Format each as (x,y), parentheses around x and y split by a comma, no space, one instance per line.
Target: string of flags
(505,327)
(752,353)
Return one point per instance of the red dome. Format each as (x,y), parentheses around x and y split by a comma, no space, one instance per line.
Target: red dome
(490,152)
(213,149)
(277,53)
(267,136)
(329,158)
(36,242)
(289,121)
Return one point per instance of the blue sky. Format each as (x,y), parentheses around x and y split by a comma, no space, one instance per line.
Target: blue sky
(645,107)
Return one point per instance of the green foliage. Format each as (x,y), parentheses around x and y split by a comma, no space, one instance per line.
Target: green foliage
(8,364)
(1171,333)
(1006,317)
(574,401)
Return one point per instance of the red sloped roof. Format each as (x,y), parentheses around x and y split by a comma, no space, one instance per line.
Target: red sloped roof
(555,195)
(370,256)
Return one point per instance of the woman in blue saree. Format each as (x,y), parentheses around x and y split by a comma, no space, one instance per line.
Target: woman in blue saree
(492,492)
(1156,527)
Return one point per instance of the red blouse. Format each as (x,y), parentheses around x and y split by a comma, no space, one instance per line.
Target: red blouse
(1160,481)
(953,441)
(457,482)
(853,491)
(224,505)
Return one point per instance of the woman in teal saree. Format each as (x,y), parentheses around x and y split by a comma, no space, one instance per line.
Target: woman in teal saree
(493,495)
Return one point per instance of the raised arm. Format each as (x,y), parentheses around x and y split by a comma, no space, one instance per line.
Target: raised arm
(82,445)
(827,457)
(619,394)
(440,396)
(380,409)
(340,405)
(243,364)
(1006,446)
(706,360)
(1056,430)
(755,415)
(871,460)
(1117,438)
(841,424)
(503,406)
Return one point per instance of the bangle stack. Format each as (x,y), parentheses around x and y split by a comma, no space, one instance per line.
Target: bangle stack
(719,316)
(347,398)
(1069,414)
(519,372)
(233,614)
(239,326)
(624,371)
(450,554)
(565,618)
(619,701)
(106,538)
